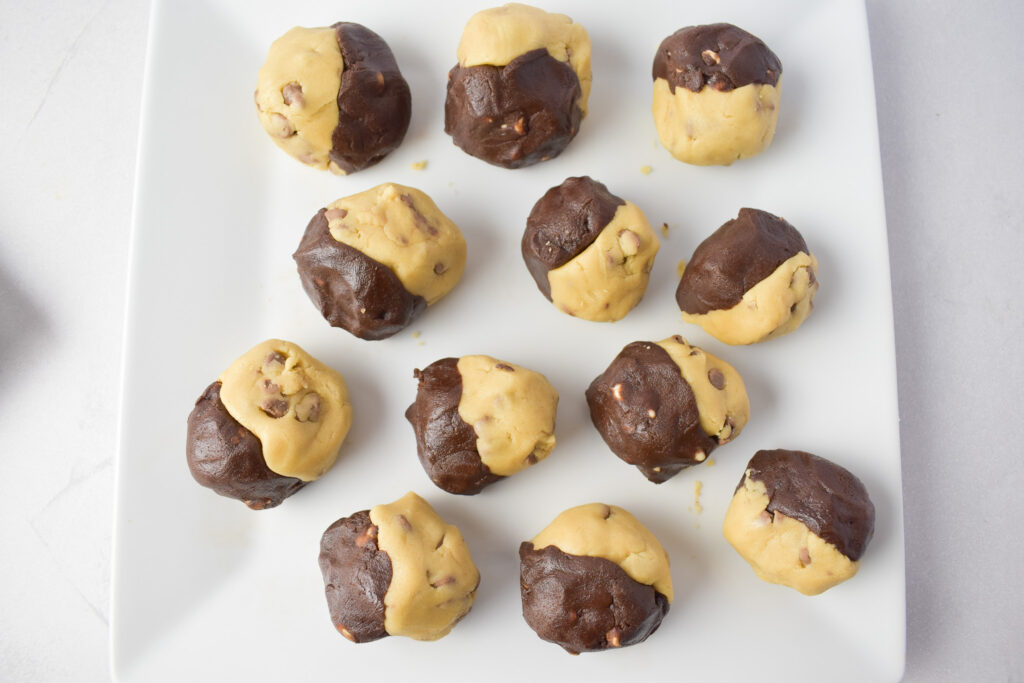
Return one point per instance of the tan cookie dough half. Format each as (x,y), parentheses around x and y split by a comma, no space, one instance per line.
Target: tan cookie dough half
(498,35)
(297,93)
(772,308)
(295,405)
(718,389)
(433,581)
(713,127)
(511,410)
(608,279)
(609,532)
(780,549)
(402,228)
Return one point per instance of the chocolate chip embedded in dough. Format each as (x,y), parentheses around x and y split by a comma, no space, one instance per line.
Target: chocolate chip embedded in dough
(308,408)
(292,95)
(716,378)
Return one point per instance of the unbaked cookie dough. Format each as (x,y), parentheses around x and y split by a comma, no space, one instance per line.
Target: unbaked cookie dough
(271,423)
(594,579)
(372,262)
(753,279)
(665,406)
(478,419)
(396,570)
(590,252)
(716,94)
(520,88)
(333,97)
(800,520)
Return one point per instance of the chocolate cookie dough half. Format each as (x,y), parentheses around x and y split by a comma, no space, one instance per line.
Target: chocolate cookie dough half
(333,97)
(478,419)
(520,88)
(800,520)
(594,579)
(716,94)
(396,569)
(665,406)
(372,262)
(589,251)
(271,423)
(751,280)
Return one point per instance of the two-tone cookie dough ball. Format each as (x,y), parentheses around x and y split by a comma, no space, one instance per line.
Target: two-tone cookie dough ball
(665,406)
(753,279)
(372,262)
(396,570)
(333,97)
(800,520)
(270,424)
(594,579)
(478,419)
(520,88)
(589,251)
(716,94)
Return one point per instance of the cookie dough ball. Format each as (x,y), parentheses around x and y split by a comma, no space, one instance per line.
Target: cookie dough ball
(716,94)
(753,279)
(270,424)
(800,520)
(594,579)
(520,89)
(372,262)
(665,406)
(396,570)
(478,419)
(333,97)
(590,252)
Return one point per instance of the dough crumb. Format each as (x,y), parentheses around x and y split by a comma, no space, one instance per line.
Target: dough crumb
(681,267)
(664,229)
(710,462)
(418,165)
(420,343)
(416,334)
(697,507)
(646,170)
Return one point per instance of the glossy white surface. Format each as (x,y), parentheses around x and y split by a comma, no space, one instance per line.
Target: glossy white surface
(219,211)
(948,126)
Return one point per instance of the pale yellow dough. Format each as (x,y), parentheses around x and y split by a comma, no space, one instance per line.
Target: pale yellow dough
(511,410)
(310,59)
(311,398)
(498,35)
(403,229)
(609,532)
(433,578)
(773,307)
(607,279)
(723,412)
(714,127)
(779,548)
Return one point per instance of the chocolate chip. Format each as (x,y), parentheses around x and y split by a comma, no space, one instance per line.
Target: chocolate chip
(443,581)
(404,523)
(504,366)
(367,536)
(274,407)
(292,94)
(274,363)
(716,378)
(440,268)
(271,387)
(308,409)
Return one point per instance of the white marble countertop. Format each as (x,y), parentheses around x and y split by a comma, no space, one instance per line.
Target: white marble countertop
(949,107)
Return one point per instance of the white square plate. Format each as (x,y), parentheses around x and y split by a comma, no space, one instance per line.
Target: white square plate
(205,589)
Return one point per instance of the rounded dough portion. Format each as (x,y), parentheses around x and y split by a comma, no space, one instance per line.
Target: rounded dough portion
(433,580)
(713,127)
(295,405)
(608,279)
(498,35)
(511,410)
(608,531)
(781,549)
(402,228)
(773,307)
(297,93)
(718,389)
